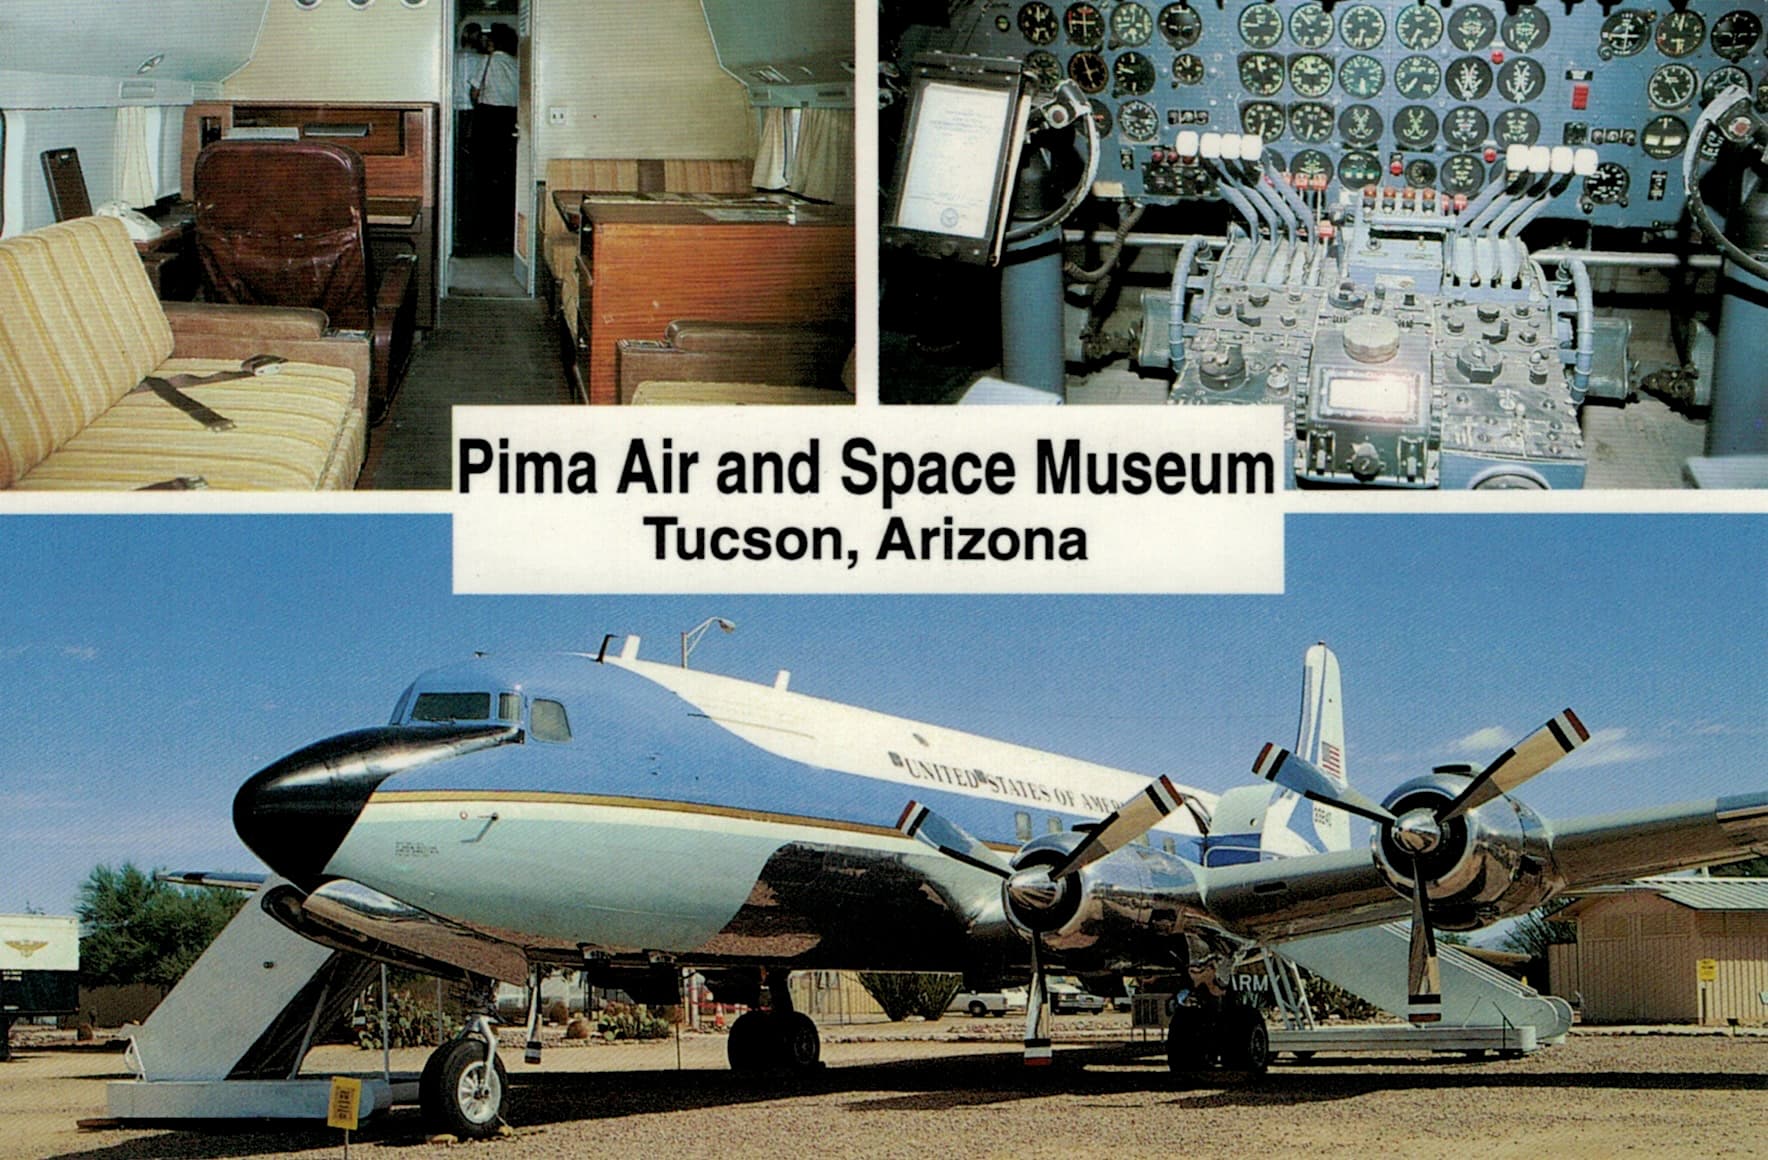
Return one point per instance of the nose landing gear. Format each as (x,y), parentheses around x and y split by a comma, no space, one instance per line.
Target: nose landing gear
(464,1091)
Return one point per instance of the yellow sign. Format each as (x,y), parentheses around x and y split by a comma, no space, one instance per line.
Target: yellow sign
(346,1100)
(1707,970)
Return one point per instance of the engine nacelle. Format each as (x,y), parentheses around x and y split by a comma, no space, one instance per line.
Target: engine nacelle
(1132,909)
(1490,863)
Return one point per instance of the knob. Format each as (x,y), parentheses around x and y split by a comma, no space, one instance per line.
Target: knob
(1371,338)
(1365,461)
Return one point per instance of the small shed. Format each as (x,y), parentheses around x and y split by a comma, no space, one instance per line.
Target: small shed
(1668,950)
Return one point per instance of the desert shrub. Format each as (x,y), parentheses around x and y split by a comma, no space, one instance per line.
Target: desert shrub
(902,994)
(631,1021)
(558,1011)
(409,1022)
(1328,1000)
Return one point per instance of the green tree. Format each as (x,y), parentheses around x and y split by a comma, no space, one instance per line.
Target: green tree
(1537,930)
(1756,867)
(135,929)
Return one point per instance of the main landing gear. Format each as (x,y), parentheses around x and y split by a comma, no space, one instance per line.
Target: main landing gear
(1229,1034)
(464,1091)
(780,1038)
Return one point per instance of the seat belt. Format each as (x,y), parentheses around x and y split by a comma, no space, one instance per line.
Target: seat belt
(171,389)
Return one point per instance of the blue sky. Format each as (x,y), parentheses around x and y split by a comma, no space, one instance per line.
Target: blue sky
(158,662)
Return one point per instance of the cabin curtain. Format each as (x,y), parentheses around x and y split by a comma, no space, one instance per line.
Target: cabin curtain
(823,166)
(133,147)
(770,151)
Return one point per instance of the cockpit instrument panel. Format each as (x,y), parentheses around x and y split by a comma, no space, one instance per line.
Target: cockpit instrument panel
(1410,94)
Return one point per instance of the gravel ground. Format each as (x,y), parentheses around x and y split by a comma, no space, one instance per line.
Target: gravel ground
(960,1090)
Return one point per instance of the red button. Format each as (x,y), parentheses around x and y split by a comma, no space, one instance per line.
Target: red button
(1491,155)
(1580,96)
(1497,56)
(1396,169)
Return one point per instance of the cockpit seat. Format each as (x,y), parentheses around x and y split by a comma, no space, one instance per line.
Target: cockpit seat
(285,223)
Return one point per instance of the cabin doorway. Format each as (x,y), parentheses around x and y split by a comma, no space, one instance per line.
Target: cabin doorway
(485,79)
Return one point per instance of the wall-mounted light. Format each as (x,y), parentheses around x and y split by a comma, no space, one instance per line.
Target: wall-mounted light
(359,5)
(150,63)
(306,5)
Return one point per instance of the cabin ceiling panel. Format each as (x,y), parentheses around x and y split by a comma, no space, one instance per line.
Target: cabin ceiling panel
(197,40)
(776,44)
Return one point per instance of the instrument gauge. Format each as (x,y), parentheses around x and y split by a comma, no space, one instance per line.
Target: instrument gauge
(1625,33)
(1137,121)
(1038,24)
(1360,125)
(1363,26)
(1310,26)
(1463,174)
(1465,127)
(1762,97)
(1419,27)
(1517,127)
(1664,137)
(1724,77)
(1133,75)
(1084,25)
(1264,118)
(1311,163)
(1362,76)
(1672,86)
(1415,128)
(1261,26)
(1130,26)
(1310,122)
(1471,28)
(1736,33)
(1417,77)
(1521,80)
(1310,74)
(1261,73)
(1087,69)
(1421,173)
(1680,33)
(1608,185)
(1188,69)
(1526,29)
(1469,78)
(1180,25)
(1101,117)
(1045,70)
(1358,168)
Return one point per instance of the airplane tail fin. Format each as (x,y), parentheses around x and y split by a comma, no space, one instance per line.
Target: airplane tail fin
(1319,737)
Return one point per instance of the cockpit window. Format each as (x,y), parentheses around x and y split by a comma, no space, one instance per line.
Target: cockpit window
(509,706)
(546,721)
(452,707)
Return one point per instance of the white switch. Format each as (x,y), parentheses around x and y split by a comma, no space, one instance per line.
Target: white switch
(556,115)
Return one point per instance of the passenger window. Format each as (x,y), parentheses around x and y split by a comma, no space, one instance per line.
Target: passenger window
(452,707)
(546,722)
(1053,825)
(509,706)
(1022,826)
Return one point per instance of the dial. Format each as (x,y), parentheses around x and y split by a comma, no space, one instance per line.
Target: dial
(1664,137)
(1130,25)
(1311,163)
(1608,185)
(1417,77)
(1762,96)
(1132,74)
(1471,28)
(1672,86)
(1463,173)
(1517,127)
(1037,21)
(1469,78)
(1361,76)
(1310,122)
(1261,26)
(1625,33)
(1261,73)
(1419,27)
(1736,33)
(1526,29)
(1415,127)
(1722,78)
(1045,70)
(1421,173)
(1188,69)
(1137,121)
(1363,26)
(1464,127)
(1181,25)
(1521,80)
(1101,117)
(1087,69)
(1310,26)
(1264,118)
(1310,74)
(1084,25)
(1357,169)
(1360,125)
(1680,33)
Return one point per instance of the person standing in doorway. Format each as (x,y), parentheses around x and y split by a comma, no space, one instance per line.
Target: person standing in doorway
(469,70)
(494,140)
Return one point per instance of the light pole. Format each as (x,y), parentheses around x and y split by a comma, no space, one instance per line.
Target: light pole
(692,636)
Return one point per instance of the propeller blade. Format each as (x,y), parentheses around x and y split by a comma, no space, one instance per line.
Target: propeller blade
(1125,824)
(1278,765)
(1037,1016)
(1423,981)
(1530,756)
(923,825)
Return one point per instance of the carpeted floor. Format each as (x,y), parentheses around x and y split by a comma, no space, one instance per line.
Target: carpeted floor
(484,276)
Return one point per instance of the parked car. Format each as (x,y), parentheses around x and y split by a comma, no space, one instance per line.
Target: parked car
(1068,999)
(979,1003)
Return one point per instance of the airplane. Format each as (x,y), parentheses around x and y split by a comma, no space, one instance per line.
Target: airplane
(637,819)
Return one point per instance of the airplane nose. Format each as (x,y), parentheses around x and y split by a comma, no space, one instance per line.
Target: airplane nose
(295,812)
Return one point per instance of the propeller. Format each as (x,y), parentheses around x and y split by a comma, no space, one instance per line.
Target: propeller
(1420,831)
(1040,888)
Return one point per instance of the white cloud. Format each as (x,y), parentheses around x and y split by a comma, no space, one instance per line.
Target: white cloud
(1613,747)
(1493,739)
(79,652)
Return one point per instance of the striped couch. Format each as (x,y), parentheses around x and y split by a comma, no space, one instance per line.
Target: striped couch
(80,328)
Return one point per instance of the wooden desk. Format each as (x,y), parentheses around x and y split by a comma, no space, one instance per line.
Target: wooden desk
(170,261)
(645,263)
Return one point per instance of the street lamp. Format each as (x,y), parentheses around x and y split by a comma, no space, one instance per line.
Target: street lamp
(692,636)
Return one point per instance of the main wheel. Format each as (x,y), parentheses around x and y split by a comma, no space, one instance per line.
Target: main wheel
(754,1042)
(456,1094)
(800,1044)
(1245,1043)
(1186,1034)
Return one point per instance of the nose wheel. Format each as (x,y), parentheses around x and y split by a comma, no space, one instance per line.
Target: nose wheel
(769,1040)
(1233,1036)
(463,1091)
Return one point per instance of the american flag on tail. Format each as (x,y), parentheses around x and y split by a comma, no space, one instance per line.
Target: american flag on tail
(1331,760)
